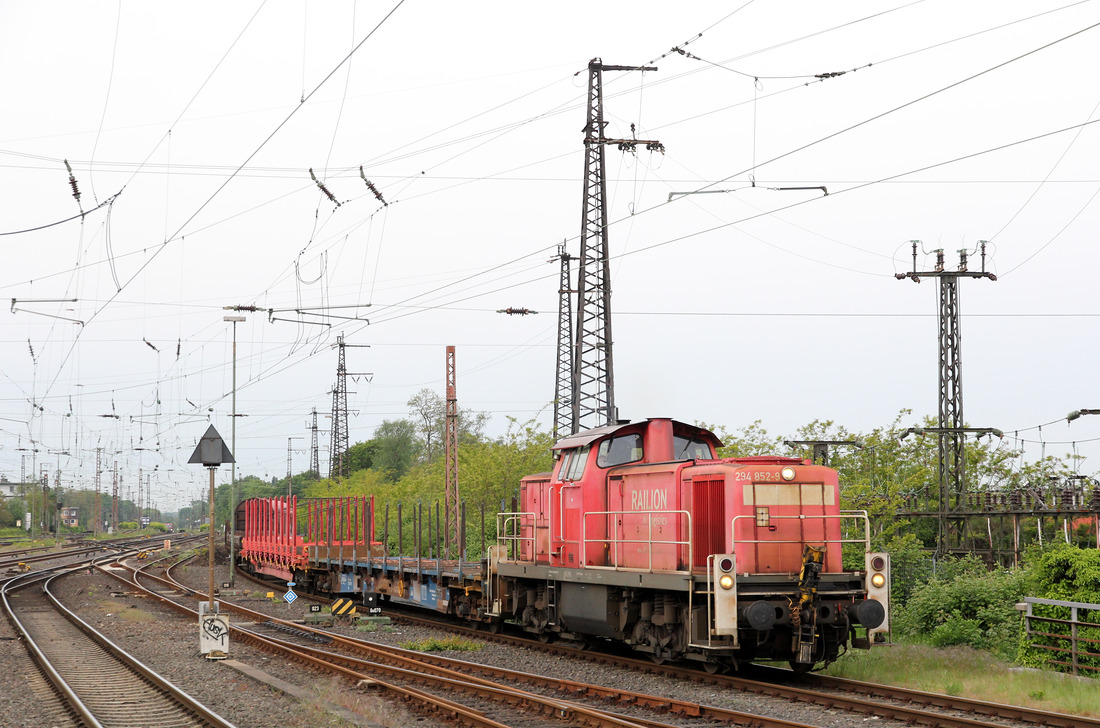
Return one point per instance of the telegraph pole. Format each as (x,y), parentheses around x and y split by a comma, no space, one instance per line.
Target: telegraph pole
(593,375)
(952,431)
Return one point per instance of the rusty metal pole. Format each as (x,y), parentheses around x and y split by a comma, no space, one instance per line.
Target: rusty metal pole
(211,540)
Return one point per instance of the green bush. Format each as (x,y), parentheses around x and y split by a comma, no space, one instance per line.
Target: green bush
(966,607)
(956,630)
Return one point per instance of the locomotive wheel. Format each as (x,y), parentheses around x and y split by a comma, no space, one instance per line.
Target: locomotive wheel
(800,668)
(713,668)
(546,637)
(657,659)
(494,627)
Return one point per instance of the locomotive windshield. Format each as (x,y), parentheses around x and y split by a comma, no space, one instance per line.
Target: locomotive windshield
(572,463)
(690,448)
(620,450)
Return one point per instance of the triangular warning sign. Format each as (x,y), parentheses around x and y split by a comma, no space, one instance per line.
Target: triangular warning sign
(211,450)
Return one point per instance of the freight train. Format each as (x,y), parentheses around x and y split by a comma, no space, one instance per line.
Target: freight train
(639,535)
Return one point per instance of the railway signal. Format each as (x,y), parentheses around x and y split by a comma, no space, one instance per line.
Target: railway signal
(212,452)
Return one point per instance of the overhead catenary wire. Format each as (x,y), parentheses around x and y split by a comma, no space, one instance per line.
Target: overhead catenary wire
(375,274)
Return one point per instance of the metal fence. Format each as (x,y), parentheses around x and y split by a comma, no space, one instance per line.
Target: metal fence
(1072,642)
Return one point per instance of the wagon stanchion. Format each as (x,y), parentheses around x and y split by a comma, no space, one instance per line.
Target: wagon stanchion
(400,539)
(439,555)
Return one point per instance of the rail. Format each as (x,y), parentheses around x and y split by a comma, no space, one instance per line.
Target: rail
(1077,644)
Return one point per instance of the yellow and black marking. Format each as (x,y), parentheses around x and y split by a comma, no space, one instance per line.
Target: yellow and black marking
(343,607)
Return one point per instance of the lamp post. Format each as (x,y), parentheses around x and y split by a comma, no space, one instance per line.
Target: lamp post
(233,468)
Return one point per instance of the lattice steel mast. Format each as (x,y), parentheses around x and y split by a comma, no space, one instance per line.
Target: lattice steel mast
(338,465)
(593,375)
(451,500)
(563,388)
(98,498)
(114,499)
(314,455)
(952,428)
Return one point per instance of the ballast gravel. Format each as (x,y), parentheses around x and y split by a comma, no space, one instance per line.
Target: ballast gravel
(168,643)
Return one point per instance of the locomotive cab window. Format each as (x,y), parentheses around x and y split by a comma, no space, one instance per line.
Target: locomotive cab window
(691,448)
(564,456)
(572,463)
(620,450)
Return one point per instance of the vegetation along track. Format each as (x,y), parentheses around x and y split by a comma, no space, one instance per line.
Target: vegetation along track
(103,686)
(472,699)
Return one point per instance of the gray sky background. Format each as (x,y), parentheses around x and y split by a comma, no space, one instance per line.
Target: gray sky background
(954,123)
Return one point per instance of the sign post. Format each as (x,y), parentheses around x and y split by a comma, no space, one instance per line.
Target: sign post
(212,452)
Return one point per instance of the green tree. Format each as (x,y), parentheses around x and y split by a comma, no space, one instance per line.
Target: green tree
(429,412)
(396,447)
(361,455)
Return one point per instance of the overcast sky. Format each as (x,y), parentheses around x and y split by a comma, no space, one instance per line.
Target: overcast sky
(191,129)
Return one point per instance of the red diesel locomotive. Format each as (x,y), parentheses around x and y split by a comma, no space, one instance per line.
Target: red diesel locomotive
(641,535)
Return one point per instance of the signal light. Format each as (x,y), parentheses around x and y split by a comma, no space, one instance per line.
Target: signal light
(722,572)
(878,592)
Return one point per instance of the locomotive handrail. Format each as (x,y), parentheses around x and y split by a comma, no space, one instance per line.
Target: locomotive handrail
(866,540)
(649,541)
(514,540)
(561,511)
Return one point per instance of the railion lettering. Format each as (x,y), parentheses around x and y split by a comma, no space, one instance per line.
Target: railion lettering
(649,500)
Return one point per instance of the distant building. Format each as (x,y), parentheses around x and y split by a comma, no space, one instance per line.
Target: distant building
(70,516)
(8,490)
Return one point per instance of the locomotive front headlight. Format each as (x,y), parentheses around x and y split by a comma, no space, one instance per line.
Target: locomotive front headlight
(787,473)
(726,582)
(878,581)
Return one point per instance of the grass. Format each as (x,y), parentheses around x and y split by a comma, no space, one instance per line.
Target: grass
(436,644)
(966,672)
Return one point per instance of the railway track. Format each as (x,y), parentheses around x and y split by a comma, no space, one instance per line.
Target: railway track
(93,682)
(492,698)
(883,701)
